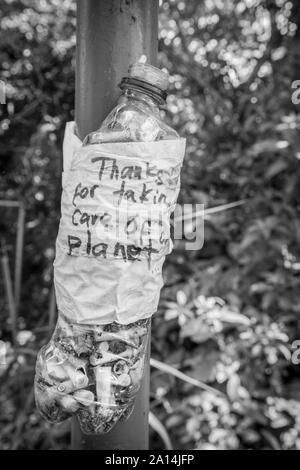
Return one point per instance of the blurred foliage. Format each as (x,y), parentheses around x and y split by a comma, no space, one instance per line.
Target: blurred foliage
(228,313)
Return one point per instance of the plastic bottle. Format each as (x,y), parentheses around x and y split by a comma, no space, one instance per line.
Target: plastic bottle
(96,371)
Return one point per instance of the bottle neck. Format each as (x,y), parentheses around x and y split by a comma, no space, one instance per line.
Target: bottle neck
(143,98)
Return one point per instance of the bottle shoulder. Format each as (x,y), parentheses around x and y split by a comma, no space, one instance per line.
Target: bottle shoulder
(132,121)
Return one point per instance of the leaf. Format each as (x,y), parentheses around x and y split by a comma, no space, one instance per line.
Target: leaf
(263,146)
(180,375)
(276,167)
(227,316)
(181,297)
(158,427)
(235,390)
(272,440)
(197,330)
(232,386)
(202,363)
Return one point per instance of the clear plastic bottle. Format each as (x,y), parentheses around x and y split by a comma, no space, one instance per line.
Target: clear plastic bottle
(96,371)
(136,118)
(93,371)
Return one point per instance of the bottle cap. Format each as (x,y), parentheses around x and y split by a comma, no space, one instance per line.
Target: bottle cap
(150,74)
(153,81)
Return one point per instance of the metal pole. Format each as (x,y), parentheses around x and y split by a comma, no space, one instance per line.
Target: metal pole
(133,434)
(111,35)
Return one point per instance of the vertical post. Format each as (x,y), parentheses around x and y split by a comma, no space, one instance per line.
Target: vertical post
(19,256)
(9,292)
(111,35)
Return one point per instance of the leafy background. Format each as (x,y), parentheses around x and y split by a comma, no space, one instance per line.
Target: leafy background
(229,313)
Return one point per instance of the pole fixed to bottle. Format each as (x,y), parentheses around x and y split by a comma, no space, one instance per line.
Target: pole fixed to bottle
(111,36)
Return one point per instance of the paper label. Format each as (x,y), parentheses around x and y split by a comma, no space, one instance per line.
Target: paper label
(115,227)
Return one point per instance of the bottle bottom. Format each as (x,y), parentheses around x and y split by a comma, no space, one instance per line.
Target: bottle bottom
(93,372)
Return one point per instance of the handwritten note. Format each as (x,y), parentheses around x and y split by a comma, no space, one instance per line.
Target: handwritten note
(115,228)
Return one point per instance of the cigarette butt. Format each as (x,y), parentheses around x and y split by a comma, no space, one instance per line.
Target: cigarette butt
(69,404)
(120,367)
(104,384)
(56,371)
(105,358)
(77,375)
(85,397)
(122,337)
(63,388)
(76,361)
(103,346)
(124,380)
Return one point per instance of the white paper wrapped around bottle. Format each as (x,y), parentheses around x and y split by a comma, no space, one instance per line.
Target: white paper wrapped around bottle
(114,231)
